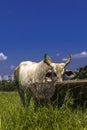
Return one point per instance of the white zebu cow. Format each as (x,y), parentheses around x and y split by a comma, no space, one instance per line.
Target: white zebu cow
(59,69)
(29,72)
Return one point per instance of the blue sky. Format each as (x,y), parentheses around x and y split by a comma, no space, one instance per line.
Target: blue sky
(30,28)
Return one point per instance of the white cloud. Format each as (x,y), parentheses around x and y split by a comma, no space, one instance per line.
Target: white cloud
(2,56)
(64,59)
(57,54)
(78,55)
(12,67)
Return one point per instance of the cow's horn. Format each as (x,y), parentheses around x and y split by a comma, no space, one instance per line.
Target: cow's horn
(47,59)
(68,60)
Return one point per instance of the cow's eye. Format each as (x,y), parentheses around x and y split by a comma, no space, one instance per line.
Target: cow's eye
(49,74)
(54,74)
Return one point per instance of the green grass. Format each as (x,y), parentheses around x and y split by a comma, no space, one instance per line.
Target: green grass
(14,117)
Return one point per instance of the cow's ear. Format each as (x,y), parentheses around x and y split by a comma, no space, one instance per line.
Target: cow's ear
(47,59)
(69,73)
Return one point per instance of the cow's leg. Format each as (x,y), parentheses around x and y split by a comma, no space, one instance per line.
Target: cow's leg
(36,103)
(21,94)
(22,97)
(28,97)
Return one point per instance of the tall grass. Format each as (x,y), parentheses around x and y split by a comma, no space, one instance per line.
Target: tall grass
(15,117)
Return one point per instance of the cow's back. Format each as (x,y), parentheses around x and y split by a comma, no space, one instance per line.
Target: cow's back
(30,72)
(24,72)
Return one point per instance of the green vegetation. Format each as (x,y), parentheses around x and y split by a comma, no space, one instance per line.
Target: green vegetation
(15,117)
(7,86)
(81,73)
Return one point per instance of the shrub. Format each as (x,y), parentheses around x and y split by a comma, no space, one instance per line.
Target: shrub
(7,86)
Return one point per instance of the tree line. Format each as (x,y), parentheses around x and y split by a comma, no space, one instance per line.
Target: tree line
(7,86)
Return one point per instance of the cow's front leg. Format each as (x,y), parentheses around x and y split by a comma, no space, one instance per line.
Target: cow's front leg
(27,97)
(22,97)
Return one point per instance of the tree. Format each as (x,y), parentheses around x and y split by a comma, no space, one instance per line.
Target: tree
(7,86)
(81,73)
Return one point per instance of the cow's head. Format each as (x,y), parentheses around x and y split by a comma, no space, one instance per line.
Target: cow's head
(59,69)
(51,72)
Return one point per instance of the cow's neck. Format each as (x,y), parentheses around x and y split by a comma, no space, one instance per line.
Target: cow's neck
(42,69)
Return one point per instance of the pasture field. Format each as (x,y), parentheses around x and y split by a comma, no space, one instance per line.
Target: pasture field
(14,117)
